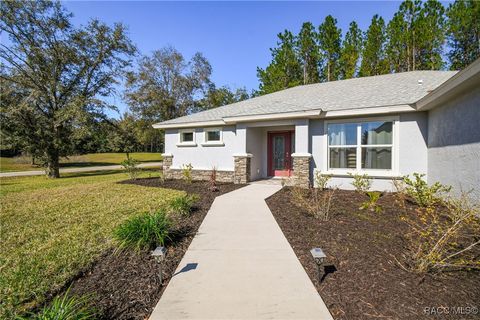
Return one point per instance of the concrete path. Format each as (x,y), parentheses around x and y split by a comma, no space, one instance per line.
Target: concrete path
(240,266)
(70,170)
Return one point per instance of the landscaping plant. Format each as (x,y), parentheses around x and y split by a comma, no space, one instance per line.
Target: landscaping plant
(145,231)
(187,172)
(182,205)
(443,237)
(65,307)
(361,182)
(371,203)
(423,194)
(321,180)
(213,180)
(131,167)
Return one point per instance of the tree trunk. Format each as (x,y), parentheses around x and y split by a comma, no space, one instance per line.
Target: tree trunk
(33,160)
(53,164)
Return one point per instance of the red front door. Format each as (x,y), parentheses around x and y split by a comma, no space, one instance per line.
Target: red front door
(279,153)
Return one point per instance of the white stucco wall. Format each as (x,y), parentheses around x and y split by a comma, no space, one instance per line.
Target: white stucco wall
(454,143)
(412,153)
(203,157)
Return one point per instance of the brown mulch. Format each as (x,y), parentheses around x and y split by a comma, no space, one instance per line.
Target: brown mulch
(362,278)
(126,285)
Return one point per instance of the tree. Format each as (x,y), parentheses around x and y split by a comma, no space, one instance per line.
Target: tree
(217,97)
(432,26)
(308,52)
(285,70)
(463,33)
(64,73)
(396,47)
(411,13)
(373,55)
(329,39)
(350,52)
(165,85)
(123,137)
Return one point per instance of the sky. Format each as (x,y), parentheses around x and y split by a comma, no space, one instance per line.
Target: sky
(234,36)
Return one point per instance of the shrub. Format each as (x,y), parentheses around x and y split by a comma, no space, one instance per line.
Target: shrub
(131,167)
(144,231)
(321,180)
(443,238)
(361,182)
(213,180)
(423,194)
(316,201)
(187,172)
(182,205)
(66,307)
(371,203)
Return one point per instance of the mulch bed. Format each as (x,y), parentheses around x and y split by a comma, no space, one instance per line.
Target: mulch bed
(126,285)
(362,278)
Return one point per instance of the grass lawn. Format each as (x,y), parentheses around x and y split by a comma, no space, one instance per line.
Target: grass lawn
(86,160)
(53,228)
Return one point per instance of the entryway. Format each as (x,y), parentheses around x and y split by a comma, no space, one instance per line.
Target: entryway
(280,146)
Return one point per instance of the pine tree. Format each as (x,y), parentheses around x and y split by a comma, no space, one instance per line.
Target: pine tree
(329,39)
(411,12)
(373,55)
(308,52)
(396,48)
(285,70)
(463,33)
(350,52)
(432,30)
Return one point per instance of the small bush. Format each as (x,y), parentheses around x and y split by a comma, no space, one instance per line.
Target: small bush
(361,182)
(423,194)
(66,307)
(182,205)
(371,204)
(213,180)
(145,231)
(443,238)
(321,180)
(316,201)
(187,172)
(131,167)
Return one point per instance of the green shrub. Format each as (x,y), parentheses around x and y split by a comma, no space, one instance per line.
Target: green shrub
(131,167)
(371,203)
(66,307)
(423,194)
(182,205)
(144,231)
(361,182)
(321,180)
(187,172)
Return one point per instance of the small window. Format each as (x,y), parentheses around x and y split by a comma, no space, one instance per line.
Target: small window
(213,136)
(186,136)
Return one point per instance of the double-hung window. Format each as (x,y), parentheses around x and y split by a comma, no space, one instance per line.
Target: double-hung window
(360,146)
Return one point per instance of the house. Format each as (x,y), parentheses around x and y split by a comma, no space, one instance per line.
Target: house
(386,126)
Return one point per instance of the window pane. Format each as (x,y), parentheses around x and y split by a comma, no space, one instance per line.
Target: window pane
(343,158)
(187,136)
(342,134)
(377,132)
(377,158)
(213,135)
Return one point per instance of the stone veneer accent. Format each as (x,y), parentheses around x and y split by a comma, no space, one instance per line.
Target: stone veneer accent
(242,168)
(167,163)
(301,169)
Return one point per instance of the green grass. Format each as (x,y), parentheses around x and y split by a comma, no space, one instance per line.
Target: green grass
(87,160)
(53,228)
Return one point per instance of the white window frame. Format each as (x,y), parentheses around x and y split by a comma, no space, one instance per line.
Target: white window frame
(207,143)
(393,172)
(182,143)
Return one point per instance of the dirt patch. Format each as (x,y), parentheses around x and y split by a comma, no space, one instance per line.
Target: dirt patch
(126,285)
(362,278)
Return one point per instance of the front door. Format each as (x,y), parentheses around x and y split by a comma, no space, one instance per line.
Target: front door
(279,153)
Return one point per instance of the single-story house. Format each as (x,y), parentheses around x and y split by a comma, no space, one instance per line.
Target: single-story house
(386,126)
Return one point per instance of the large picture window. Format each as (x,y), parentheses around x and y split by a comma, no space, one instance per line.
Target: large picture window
(360,145)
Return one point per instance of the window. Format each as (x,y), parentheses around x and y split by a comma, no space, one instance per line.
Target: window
(360,145)
(213,136)
(187,138)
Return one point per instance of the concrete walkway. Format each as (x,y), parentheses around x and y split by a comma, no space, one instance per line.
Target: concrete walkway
(240,266)
(70,170)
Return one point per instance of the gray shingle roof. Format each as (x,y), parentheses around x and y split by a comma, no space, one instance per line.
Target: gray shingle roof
(367,92)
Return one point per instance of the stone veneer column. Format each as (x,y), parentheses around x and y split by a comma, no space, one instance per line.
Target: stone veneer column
(242,168)
(167,163)
(301,169)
